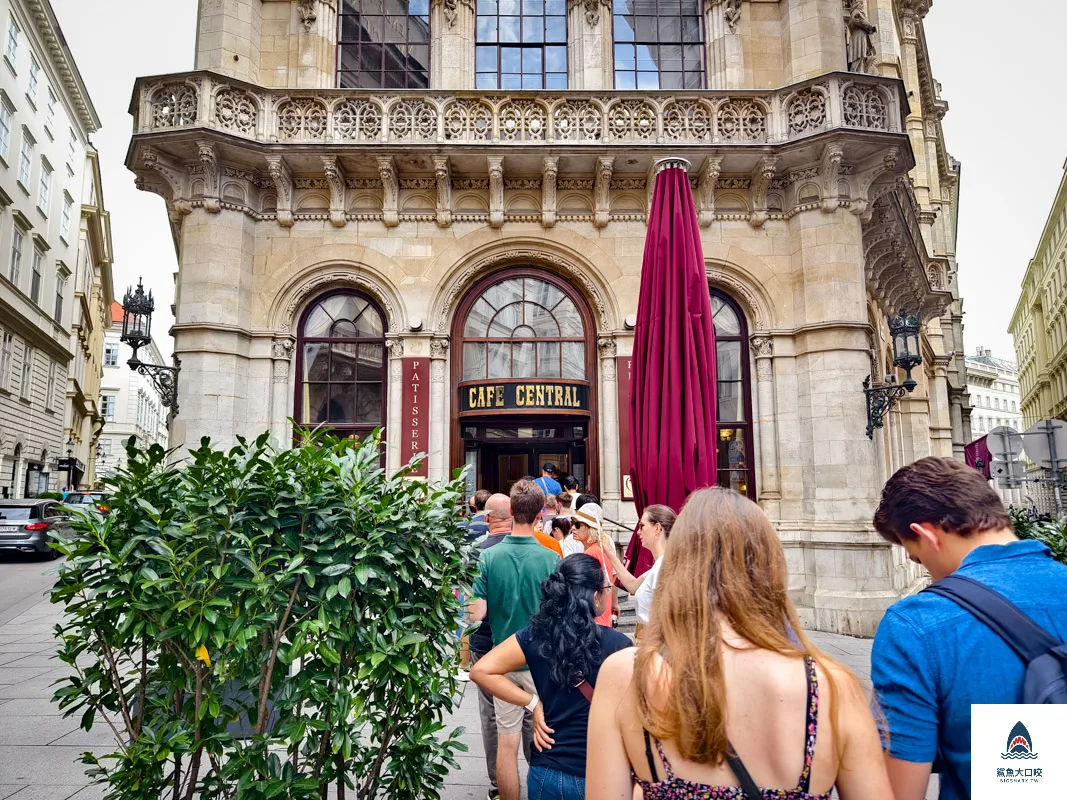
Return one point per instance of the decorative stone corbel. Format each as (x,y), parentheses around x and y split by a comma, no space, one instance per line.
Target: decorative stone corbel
(709,177)
(605,166)
(283,184)
(731,14)
(209,160)
(496,191)
(549,175)
(868,172)
(442,170)
(592,10)
(176,179)
(390,191)
(830,171)
(307,13)
(335,177)
(762,176)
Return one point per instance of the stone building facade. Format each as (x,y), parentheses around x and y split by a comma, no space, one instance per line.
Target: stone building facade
(1039,324)
(46,316)
(430,216)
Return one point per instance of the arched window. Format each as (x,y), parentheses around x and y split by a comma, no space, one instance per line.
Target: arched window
(734,407)
(524,327)
(341,365)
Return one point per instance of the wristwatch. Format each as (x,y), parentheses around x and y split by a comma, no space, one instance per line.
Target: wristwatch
(533,704)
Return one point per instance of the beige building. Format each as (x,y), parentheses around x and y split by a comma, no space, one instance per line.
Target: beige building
(429,216)
(46,162)
(1039,324)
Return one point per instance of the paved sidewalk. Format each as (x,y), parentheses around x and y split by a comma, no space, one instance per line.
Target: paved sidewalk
(39,749)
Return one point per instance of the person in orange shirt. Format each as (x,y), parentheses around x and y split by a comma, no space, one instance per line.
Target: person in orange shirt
(545,540)
(586,525)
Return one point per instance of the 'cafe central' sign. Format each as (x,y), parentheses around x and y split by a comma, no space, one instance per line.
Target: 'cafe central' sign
(489,397)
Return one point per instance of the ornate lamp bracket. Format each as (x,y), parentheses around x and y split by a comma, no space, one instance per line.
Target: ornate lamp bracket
(165,379)
(879,400)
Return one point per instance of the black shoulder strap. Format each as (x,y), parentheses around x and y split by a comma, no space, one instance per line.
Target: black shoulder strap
(1028,639)
(751,790)
(651,760)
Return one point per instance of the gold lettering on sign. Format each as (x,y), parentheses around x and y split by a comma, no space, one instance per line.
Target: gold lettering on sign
(473,400)
(540,395)
(559,396)
(499,396)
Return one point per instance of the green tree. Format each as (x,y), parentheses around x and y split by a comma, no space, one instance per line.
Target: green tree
(304,594)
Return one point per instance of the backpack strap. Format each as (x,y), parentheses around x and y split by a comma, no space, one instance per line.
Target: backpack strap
(1024,636)
(586,690)
(748,786)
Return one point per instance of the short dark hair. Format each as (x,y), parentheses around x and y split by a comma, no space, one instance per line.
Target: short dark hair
(582,499)
(550,468)
(563,523)
(938,491)
(527,500)
(479,499)
(570,483)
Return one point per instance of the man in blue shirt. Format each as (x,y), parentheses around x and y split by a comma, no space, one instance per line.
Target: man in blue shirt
(931,659)
(547,481)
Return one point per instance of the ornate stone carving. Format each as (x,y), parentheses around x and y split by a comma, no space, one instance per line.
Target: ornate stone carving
(451,9)
(761,183)
(253,178)
(762,346)
(574,184)
(396,370)
(173,175)
(418,183)
(468,120)
(608,347)
(632,120)
(933,273)
(308,15)
(522,183)
(859,44)
(209,164)
(357,121)
(437,372)
(236,110)
(462,184)
(174,105)
(413,121)
(872,169)
(395,348)
(602,191)
(577,121)
(390,191)
(282,349)
(807,112)
(338,277)
(764,369)
(865,107)
(731,14)
(742,121)
(283,184)
(709,177)
(364,183)
(735,183)
(442,171)
(496,191)
(687,120)
(301,118)
(628,183)
(592,11)
(550,171)
(438,348)
(311,183)
(831,165)
(335,177)
(728,282)
(523,120)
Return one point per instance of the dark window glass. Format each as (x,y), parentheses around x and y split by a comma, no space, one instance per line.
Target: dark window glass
(733,417)
(521,44)
(384,47)
(649,38)
(341,377)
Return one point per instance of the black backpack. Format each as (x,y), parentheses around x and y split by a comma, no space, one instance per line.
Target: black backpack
(1045,657)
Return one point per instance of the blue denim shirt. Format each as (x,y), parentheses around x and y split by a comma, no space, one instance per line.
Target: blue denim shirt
(932,660)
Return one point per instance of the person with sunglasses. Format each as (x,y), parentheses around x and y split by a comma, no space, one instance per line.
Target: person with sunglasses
(586,525)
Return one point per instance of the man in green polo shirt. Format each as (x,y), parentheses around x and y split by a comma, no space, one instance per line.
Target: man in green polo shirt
(507,592)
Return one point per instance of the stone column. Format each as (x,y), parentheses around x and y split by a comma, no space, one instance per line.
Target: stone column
(281,352)
(228,38)
(608,402)
(314,57)
(813,34)
(589,54)
(724,21)
(452,29)
(393,402)
(769,490)
(440,427)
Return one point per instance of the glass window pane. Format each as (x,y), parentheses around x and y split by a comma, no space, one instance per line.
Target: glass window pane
(510,8)
(543,293)
(670,80)
(533,31)
(730,408)
(556,29)
(570,321)
(573,356)
(473,361)
(485,59)
(511,81)
(316,402)
(670,29)
(728,363)
(478,319)
(556,80)
(725,320)
(486,7)
(350,28)
(343,329)
(371,362)
(342,402)
(624,31)
(548,365)
(511,59)
(523,363)
(318,323)
(691,7)
(731,449)
(506,320)
(691,29)
(509,29)
(532,81)
(533,8)
(531,61)
(369,407)
(556,8)
(647,80)
(501,294)
(369,324)
(419,7)
(555,59)
(670,57)
(499,360)
(694,79)
(625,56)
(647,57)
(542,322)
(487,29)
(645,29)
(485,81)
(625,80)
(316,362)
(343,361)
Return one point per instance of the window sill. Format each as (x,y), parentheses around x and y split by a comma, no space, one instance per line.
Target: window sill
(48,132)
(64,240)
(5,392)
(42,212)
(21,186)
(10,66)
(26,401)
(32,102)
(4,162)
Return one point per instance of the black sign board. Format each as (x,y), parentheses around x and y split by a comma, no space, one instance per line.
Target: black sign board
(556,397)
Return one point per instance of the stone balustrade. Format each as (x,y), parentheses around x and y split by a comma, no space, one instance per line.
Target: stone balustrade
(339,116)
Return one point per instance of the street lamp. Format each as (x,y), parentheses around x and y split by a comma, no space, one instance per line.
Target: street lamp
(137,308)
(70,463)
(907,354)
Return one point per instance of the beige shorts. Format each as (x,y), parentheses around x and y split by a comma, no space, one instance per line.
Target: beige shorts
(509,717)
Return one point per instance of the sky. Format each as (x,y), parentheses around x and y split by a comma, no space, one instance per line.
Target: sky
(1006,124)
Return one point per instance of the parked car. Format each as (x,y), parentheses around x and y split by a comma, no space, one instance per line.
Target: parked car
(102,500)
(29,525)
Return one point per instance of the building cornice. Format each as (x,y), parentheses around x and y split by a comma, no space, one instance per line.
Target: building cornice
(53,38)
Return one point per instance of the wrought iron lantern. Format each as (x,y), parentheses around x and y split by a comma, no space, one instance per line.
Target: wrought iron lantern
(137,309)
(907,354)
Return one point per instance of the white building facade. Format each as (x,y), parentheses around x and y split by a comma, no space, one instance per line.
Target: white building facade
(129,403)
(46,119)
(993,384)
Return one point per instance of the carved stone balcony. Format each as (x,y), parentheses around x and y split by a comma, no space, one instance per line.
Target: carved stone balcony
(202,100)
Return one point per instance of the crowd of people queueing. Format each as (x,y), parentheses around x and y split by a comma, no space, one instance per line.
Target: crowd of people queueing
(723,696)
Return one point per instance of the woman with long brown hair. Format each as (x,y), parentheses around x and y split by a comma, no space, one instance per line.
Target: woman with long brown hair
(725,694)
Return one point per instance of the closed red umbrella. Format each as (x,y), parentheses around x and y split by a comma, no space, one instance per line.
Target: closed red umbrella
(672,379)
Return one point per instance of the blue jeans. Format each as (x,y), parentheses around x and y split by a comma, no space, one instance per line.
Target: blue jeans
(543,783)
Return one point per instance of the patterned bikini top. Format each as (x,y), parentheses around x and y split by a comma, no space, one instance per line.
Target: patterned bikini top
(672,788)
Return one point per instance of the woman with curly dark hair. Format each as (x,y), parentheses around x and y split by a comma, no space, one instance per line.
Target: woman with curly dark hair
(563,648)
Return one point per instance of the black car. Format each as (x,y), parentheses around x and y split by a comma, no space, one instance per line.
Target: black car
(29,525)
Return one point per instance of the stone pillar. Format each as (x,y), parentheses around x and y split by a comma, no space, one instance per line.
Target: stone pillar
(280,408)
(813,34)
(589,55)
(608,403)
(314,47)
(725,23)
(452,29)
(440,426)
(393,402)
(769,490)
(228,38)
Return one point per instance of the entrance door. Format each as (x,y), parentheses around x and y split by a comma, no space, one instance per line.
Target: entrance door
(499,455)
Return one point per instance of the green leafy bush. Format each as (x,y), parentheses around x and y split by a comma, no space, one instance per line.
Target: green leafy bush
(50,496)
(305,594)
(1050,531)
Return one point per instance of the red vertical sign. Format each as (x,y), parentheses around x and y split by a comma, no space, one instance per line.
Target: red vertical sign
(414,418)
(622,383)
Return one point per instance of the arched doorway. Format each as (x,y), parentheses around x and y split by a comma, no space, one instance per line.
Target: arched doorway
(524,380)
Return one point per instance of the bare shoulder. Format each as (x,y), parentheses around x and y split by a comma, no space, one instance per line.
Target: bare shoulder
(617,669)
